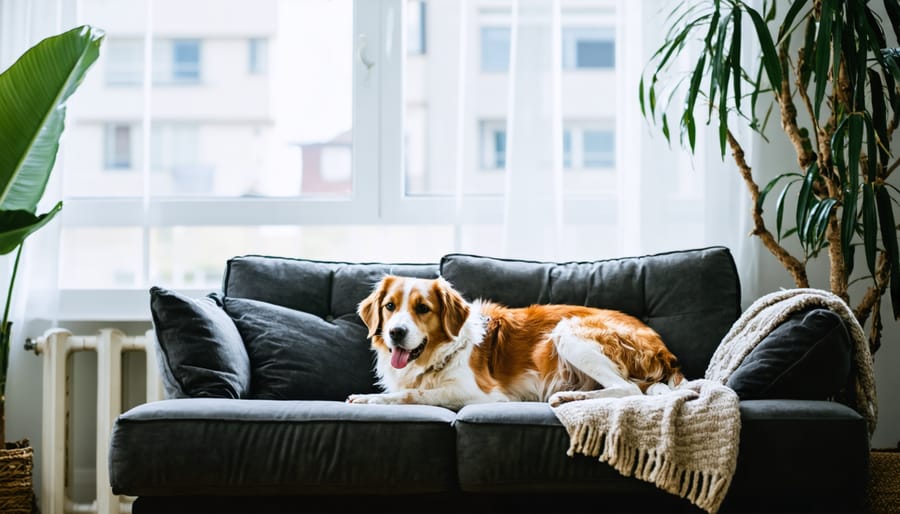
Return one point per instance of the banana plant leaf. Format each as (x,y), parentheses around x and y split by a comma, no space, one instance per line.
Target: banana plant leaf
(33,96)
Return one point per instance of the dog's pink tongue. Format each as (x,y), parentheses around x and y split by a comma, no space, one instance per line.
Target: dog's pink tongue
(399,358)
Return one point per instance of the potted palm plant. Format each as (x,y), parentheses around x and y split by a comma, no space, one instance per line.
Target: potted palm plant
(33,95)
(828,74)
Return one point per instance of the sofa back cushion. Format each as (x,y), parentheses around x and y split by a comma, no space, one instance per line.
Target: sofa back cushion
(691,298)
(299,323)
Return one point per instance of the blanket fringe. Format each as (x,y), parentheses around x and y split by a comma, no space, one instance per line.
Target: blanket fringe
(703,489)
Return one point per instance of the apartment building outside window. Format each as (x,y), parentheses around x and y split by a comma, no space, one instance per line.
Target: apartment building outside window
(288,150)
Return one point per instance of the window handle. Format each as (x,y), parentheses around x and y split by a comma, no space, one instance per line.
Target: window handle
(362,52)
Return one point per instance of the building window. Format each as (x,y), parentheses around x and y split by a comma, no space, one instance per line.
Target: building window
(493,145)
(185,60)
(119,148)
(599,149)
(415,27)
(588,48)
(589,145)
(258,62)
(495,49)
(124,61)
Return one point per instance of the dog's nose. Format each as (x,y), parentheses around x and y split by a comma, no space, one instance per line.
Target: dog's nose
(397,333)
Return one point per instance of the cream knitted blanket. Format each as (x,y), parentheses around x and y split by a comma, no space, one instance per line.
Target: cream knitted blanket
(686,441)
(768,312)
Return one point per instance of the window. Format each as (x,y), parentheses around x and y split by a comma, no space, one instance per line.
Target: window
(589,145)
(119,147)
(588,48)
(494,49)
(493,142)
(185,60)
(599,149)
(298,152)
(415,27)
(124,61)
(258,52)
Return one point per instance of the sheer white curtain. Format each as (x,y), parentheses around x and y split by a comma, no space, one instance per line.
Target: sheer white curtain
(663,197)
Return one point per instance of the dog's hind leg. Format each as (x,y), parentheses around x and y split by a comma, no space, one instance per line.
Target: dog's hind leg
(587,356)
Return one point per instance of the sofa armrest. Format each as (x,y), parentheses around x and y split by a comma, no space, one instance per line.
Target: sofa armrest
(802,449)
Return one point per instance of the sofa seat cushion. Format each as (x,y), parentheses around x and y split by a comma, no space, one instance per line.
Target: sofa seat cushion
(269,447)
(802,448)
(520,447)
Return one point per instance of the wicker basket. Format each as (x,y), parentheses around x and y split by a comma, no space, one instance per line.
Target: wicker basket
(884,481)
(16,493)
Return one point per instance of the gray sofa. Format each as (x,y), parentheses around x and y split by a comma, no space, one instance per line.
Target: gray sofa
(257,373)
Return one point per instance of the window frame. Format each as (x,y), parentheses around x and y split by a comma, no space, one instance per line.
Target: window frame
(378,177)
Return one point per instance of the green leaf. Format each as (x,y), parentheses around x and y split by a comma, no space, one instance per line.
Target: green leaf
(848,218)
(854,147)
(736,59)
(822,55)
(806,199)
(808,51)
(837,155)
(33,95)
(893,11)
(769,54)
(665,128)
(771,185)
(19,224)
(870,226)
(785,27)
(889,240)
(838,41)
(820,222)
(879,115)
(779,204)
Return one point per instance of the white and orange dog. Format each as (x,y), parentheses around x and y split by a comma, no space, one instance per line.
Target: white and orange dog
(435,348)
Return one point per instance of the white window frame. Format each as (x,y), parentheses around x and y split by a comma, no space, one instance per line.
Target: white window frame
(377,197)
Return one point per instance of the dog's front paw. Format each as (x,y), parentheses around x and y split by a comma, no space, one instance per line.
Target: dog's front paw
(561,397)
(366,398)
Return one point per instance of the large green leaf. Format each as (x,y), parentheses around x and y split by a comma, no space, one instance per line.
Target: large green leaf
(18,225)
(33,95)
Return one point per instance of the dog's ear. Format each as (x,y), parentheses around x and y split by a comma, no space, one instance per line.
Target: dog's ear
(454,309)
(370,308)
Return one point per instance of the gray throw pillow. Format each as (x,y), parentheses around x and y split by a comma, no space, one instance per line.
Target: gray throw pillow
(806,357)
(296,355)
(202,354)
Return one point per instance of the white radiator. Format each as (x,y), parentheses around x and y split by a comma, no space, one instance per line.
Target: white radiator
(56,345)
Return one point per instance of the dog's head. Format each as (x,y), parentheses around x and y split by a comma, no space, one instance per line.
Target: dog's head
(409,318)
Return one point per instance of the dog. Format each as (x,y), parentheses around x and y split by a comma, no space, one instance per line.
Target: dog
(433,347)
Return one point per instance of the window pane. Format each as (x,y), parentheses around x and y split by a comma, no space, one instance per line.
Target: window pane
(495,49)
(284,129)
(185,60)
(258,56)
(100,258)
(585,47)
(599,149)
(194,257)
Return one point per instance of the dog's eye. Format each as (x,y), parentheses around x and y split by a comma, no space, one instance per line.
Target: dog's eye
(390,306)
(422,309)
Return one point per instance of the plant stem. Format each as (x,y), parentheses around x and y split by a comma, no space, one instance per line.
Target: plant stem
(791,263)
(12,281)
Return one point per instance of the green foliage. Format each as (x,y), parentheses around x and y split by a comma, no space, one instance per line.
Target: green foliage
(33,96)
(840,72)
